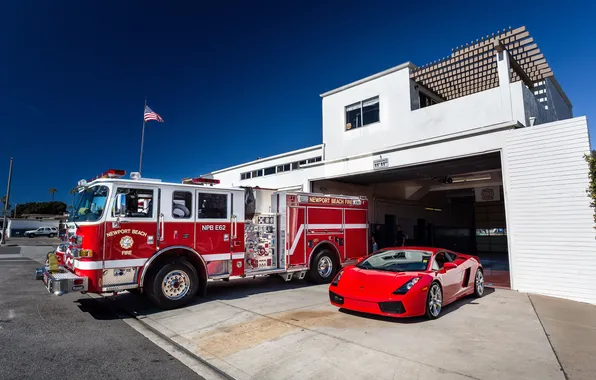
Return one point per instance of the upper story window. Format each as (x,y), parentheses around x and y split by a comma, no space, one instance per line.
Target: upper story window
(362,113)
(425,100)
(279,168)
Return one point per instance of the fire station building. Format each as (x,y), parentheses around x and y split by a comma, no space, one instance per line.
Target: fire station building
(477,152)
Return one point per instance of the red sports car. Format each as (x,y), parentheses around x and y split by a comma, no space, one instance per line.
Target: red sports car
(407,282)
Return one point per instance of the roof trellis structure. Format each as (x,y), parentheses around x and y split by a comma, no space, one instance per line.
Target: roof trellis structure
(472,67)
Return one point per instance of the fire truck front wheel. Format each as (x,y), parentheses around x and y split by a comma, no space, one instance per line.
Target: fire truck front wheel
(173,285)
(323,268)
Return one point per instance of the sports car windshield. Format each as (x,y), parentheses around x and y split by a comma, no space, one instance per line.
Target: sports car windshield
(394,260)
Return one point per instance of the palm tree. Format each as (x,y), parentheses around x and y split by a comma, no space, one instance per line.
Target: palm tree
(73,192)
(53,191)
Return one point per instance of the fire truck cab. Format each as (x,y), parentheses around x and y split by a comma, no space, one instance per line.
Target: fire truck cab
(167,240)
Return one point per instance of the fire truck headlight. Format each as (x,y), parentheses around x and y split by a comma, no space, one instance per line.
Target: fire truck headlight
(85,253)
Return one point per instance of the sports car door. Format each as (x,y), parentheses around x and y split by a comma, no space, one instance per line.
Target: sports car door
(452,278)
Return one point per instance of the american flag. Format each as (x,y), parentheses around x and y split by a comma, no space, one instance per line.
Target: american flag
(151,115)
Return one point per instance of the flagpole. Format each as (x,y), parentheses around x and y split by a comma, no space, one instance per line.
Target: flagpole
(142,139)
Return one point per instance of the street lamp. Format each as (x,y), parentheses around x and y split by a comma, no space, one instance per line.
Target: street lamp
(3,237)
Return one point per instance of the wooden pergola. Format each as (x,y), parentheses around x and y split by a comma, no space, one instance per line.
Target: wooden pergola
(472,67)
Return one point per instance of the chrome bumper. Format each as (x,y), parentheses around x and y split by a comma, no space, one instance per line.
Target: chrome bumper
(62,282)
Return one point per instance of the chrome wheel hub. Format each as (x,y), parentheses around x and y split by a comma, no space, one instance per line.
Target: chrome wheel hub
(479,282)
(175,285)
(325,267)
(435,301)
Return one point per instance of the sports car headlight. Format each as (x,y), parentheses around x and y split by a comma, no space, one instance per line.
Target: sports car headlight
(407,286)
(336,279)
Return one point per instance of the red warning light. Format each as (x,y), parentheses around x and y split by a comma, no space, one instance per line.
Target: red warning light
(211,181)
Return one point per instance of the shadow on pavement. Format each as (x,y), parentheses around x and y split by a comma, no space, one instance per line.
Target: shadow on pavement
(98,308)
(469,300)
(216,291)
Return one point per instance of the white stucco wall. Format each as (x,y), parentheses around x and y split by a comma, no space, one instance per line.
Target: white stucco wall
(399,124)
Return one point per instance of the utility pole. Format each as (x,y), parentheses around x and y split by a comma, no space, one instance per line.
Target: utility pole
(3,238)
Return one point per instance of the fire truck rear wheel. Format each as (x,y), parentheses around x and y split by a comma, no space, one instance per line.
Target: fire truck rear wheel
(323,268)
(173,285)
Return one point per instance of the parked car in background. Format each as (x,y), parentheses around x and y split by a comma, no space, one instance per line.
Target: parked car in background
(42,231)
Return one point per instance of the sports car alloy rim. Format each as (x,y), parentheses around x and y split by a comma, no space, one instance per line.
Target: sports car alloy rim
(436,300)
(479,282)
(175,285)
(325,267)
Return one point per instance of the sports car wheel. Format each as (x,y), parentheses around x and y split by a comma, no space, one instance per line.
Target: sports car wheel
(434,301)
(479,283)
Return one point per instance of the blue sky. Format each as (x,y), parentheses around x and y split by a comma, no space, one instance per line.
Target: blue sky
(234,80)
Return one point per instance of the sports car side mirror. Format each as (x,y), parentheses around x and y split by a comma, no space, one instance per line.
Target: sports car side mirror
(449,266)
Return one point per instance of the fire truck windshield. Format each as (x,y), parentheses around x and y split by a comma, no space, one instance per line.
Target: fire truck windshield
(91,204)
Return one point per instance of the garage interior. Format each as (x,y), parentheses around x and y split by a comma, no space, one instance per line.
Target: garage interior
(455,204)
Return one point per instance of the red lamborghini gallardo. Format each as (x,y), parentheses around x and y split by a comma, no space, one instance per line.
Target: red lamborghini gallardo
(407,282)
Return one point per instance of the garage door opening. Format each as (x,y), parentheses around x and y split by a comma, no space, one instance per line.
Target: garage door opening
(455,204)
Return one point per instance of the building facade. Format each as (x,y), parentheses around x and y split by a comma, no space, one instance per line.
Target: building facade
(477,152)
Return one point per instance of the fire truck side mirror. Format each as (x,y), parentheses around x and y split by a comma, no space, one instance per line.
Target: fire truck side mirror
(120,208)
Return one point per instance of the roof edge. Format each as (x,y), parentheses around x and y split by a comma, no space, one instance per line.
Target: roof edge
(404,65)
(281,155)
(560,89)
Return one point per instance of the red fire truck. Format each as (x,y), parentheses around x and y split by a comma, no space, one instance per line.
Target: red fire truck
(167,240)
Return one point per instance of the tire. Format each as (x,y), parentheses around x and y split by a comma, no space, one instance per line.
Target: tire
(323,268)
(30,235)
(479,283)
(435,293)
(173,285)
(51,235)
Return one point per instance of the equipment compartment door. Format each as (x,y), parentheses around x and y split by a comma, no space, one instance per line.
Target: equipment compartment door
(356,233)
(296,236)
(214,230)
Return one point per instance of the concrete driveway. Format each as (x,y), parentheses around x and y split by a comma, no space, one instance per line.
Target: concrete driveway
(269,329)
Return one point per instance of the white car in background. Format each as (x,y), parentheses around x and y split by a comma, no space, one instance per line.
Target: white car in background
(42,231)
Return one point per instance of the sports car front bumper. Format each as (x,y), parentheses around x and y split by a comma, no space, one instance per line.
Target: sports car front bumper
(400,306)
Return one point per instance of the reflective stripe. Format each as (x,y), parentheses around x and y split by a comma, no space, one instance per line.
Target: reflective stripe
(322,227)
(237,255)
(217,256)
(296,239)
(109,264)
(335,226)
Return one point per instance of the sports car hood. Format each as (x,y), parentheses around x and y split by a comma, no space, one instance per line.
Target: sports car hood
(374,281)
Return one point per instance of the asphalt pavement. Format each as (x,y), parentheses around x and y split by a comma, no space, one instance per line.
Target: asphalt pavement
(74,336)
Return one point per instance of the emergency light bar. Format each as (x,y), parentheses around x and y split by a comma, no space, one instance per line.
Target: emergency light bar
(200,180)
(110,173)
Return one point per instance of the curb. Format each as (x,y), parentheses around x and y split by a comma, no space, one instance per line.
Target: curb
(180,347)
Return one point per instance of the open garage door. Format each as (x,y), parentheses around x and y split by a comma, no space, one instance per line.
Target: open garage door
(455,204)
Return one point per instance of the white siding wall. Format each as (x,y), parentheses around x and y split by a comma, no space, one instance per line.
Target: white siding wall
(549,218)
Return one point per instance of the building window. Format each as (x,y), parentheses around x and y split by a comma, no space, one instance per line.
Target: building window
(181,204)
(270,170)
(295,165)
(425,100)
(283,168)
(213,206)
(362,113)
